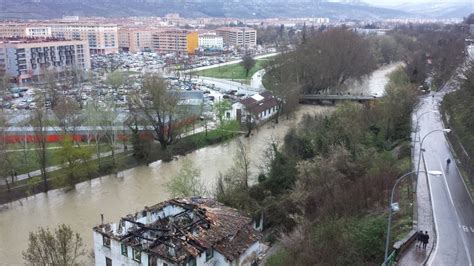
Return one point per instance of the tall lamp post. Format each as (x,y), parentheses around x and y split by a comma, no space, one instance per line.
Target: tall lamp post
(389,226)
(418,120)
(447,130)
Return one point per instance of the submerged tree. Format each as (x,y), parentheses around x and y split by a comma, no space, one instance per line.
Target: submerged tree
(187,182)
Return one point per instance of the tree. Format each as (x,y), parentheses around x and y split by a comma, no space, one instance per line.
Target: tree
(141,143)
(4,86)
(67,111)
(75,160)
(278,81)
(39,123)
(94,118)
(4,160)
(248,63)
(237,177)
(62,247)
(187,182)
(220,109)
(326,60)
(158,106)
(106,119)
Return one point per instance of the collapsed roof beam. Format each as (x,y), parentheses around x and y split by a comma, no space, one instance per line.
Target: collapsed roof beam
(144,226)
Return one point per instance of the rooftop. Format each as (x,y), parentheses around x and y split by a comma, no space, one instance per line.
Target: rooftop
(235,29)
(14,40)
(180,229)
(259,102)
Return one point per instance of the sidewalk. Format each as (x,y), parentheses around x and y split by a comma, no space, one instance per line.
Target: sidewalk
(414,255)
(424,213)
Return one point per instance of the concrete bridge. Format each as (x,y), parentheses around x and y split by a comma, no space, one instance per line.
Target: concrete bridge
(321,98)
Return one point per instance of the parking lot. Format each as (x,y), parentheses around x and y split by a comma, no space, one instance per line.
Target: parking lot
(95,88)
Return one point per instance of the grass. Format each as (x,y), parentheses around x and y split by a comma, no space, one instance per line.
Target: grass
(27,161)
(233,72)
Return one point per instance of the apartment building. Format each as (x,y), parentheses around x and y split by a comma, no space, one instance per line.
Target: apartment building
(211,41)
(175,40)
(238,36)
(8,30)
(135,39)
(101,38)
(189,231)
(28,58)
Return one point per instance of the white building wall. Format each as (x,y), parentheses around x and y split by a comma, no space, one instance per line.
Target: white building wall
(115,253)
(211,41)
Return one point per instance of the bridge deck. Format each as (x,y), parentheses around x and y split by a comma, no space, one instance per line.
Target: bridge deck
(321,97)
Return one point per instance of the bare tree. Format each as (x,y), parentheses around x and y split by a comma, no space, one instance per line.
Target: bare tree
(60,247)
(326,60)
(187,182)
(106,118)
(67,111)
(39,122)
(94,122)
(237,177)
(4,162)
(285,90)
(158,105)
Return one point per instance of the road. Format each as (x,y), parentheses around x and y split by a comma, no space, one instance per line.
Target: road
(453,208)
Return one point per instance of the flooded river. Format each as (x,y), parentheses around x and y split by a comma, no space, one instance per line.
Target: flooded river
(131,190)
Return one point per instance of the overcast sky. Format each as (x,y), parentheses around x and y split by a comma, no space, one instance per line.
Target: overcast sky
(399,2)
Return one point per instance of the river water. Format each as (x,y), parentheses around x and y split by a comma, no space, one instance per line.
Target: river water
(131,190)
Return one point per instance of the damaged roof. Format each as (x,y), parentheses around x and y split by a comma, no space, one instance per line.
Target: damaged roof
(192,226)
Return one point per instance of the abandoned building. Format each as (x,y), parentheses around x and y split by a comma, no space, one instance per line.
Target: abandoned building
(189,231)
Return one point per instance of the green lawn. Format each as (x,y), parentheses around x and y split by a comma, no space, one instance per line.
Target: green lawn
(232,72)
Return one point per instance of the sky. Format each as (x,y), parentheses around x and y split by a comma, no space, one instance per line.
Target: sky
(399,2)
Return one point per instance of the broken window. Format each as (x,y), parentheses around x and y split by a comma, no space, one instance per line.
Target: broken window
(137,255)
(108,261)
(123,247)
(209,254)
(192,262)
(106,241)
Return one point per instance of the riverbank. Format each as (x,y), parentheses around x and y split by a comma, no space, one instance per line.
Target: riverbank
(58,178)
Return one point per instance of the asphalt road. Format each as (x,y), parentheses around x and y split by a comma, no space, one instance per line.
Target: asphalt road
(453,208)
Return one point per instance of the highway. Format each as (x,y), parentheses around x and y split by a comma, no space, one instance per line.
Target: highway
(453,208)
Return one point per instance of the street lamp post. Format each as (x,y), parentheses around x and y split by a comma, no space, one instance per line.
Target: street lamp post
(447,130)
(387,241)
(418,120)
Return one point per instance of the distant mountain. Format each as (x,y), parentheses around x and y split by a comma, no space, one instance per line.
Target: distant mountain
(437,9)
(46,9)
